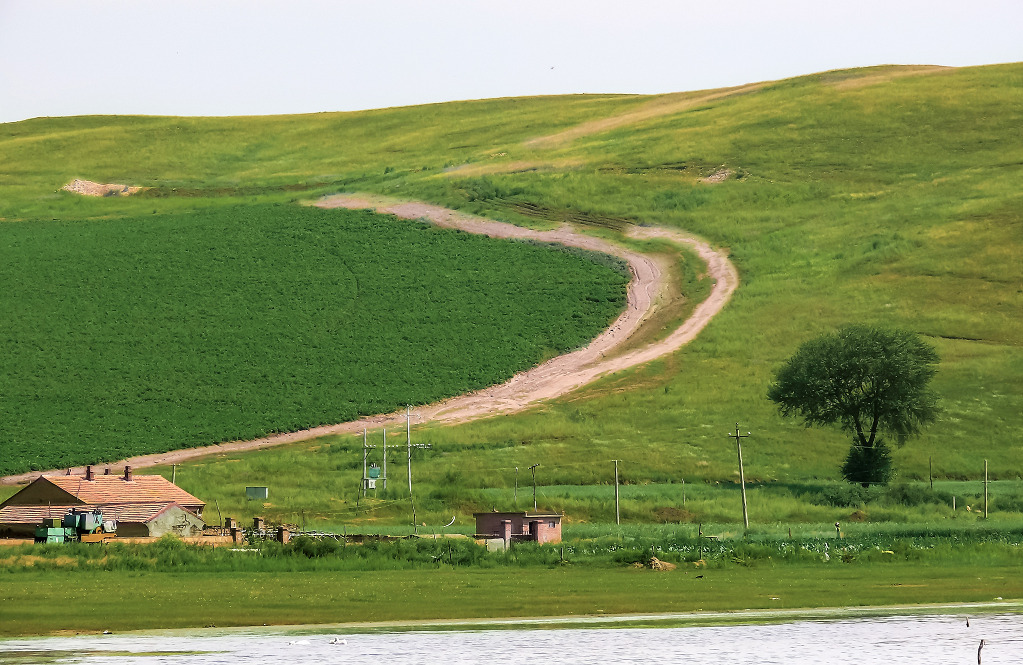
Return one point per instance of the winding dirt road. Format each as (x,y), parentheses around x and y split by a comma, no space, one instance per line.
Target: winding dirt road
(558,376)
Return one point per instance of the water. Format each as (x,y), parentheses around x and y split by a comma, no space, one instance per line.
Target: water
(934,639)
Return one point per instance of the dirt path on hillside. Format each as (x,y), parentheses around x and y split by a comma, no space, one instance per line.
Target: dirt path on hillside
(659,106)
(554,378)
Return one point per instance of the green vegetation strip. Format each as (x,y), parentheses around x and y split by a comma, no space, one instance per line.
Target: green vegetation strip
(47,602)
(144,334)
(81,587)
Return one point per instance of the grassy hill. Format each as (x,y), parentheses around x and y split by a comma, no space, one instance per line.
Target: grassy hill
(884,195)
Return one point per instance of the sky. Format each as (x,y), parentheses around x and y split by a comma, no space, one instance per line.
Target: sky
(186,57)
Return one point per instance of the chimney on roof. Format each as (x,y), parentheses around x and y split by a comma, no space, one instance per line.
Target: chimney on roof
(127,473)
(88,473)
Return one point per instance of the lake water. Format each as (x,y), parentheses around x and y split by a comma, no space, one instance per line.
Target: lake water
(932,639)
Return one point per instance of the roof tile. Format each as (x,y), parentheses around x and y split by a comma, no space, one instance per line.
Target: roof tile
(105,489)
(128,513)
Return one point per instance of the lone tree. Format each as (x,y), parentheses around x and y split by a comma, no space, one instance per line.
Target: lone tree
(871,381)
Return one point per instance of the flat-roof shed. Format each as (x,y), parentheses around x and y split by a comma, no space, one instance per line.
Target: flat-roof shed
(510,527)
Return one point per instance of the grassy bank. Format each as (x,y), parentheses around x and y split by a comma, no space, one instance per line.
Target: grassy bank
(48,602)
(595,571)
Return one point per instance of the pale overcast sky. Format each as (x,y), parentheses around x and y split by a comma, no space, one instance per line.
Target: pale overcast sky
(209,57)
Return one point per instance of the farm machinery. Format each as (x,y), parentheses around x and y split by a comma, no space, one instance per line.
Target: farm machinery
(86,526)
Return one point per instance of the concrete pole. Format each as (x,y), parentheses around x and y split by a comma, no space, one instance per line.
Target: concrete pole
(742,474)
(618,514)
(365,452)
(533,469)
(408,433)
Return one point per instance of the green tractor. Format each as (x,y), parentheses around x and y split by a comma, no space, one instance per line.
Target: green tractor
(85,525)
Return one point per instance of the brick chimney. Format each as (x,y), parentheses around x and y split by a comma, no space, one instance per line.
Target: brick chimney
(127,473)
(88,473)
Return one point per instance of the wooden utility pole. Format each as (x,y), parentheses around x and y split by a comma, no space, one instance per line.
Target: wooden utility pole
(533,469)
(618,514)
(742,474)
(516,499)
(174,474)
(385,458)
(930,471)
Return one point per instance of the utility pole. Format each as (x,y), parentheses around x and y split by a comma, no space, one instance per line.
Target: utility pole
(174,474)
(618,514)
(516,500)
(385,458)
(408,440)
(742,474)
(985,489)
(533,469)
(365,459)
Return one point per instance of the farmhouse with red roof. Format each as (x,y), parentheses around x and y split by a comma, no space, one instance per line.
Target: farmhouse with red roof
(143,506)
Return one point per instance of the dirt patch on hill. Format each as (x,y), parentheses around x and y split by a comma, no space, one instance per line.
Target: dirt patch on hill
(661,106)
(89,188)
(883,77)
(718,176)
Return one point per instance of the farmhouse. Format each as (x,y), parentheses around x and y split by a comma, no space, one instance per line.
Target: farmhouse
(143,506)
(503,529)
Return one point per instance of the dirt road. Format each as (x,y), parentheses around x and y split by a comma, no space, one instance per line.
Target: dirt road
(551,379)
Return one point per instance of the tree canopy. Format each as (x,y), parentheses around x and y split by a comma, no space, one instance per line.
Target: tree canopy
(870,381)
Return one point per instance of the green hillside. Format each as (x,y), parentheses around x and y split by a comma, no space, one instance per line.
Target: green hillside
(884,195)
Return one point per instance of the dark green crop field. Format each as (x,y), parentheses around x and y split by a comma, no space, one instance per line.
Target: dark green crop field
(141,334)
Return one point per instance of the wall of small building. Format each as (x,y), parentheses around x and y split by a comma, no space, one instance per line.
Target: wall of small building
(516,526)
(489,523)
(132,530)
(174,520)
(548,531)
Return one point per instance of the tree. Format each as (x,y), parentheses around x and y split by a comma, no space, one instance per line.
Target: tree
(870,381)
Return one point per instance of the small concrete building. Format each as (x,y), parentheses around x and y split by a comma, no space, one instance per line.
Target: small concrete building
(143,506)
(503,529)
